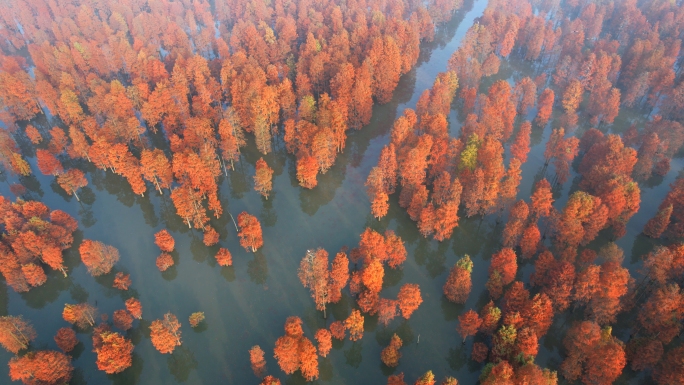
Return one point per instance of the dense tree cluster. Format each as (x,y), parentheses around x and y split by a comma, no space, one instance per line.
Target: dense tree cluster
(166,94)
(33,237)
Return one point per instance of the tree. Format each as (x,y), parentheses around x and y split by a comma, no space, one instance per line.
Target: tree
(224,258)
(387,310)
(122,281)
(66,339)
(657,225)
(337,330)
(42,367)
(211,237)
(250,232)
(396,379)
(468,324)
(81,315)
(541,201)
(314,274)
(505,263)
(122,319)
(458,284)
(134,307)
(164,241)
(71,181)
(409,299)
(307,169)
(670,370)
(256,358)
(354,324)
(15,333)
(165,333)
(479,353)
(324,339)
(270,380)
(544,107)
(339,276)
(98,257)
(390,355)
(196,318)
(426,379)
(48,164)
(521,146)
(113,352)
(262,178)
(164,261)
(572,97)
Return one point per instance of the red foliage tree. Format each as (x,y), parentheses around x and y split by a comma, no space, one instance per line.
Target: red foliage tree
(505,263)
(98,257)
(262,178)
(390,355)
(657,225)
(134,307)
(165,333)
(122,319)
(324,339)
(314,274)
(66,339)
(122,281)
(250,231)
(164,241)
(458,284)
(15,333)
(409,299)
(224,258)
(337,330)
(354,324)
(41,367)
(479,353)
(82,314)
(211,236)
(72,180)
(256,358)
(164,261)
(544,107)
(468,324)
(113,352)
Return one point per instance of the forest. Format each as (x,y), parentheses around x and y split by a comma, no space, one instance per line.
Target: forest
(295,191)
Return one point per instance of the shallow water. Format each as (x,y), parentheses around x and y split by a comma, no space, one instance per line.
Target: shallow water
(247,304)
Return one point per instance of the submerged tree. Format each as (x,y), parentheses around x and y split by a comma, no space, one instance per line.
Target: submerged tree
(165,333)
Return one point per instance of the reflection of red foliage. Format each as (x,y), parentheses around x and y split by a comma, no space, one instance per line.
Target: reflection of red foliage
(324,339)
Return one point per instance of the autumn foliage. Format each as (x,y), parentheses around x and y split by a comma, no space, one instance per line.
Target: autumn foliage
(41,367)
(250,232)
(98,257)
(164,241)
(165,333)
(66,339)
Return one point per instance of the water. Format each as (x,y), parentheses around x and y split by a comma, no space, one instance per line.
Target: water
(247,304)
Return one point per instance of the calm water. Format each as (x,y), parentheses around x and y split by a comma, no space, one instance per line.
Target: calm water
(247,304)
